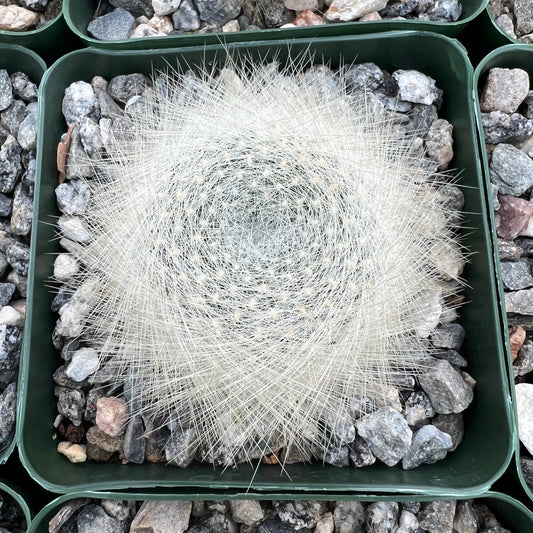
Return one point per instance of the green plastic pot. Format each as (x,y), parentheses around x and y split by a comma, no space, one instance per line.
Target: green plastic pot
(14,58)
(468,472)
(16,494)
(78,14)
(510,513)
(493,33)
(510,56)
(49,41)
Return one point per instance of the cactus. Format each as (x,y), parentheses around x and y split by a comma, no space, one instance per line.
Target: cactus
(265,257)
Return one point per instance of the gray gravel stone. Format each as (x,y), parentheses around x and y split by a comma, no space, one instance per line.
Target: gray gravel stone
(445,387)
(6,90)
(520,302)
(449,336)
(439,143)
(399,9)
(336,455)
(186,18)
(360,453)
(364,76)
(437,516)
(523,364)
(429,445)
(523,11)
(22,210)
(74,228)
(134,441)
(500,127)
(10,164)
(12,117)
(137,8)
(382,517)
(215,521)
(445,11)
(18,256)
(73,197)
(273,12)
(21,282)
(504,90)
(349,516)
(526,464)
(93,519)
(248,512)
(180,448)
(516,275)
(271,526)
(91,137)
(122,88)
(163,517)
(418,409)
(453,425)
(465,520)
(70,403)
(453,357)
(387,434)
(27,133)
(23,87)
(512,250)
(114,26)
(416,87)
(8,414)
(6,293)
(300,513)
(10,343)
(511,170)
(79,101)
(221,11)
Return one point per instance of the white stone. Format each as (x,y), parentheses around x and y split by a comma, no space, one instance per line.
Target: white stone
(74,228)
(231,26)
(11,317)
(247,512)
(301,5)
(145,30)
(16,18)
(325,524)
(165,7)
(75,453)
(415,87)
(72,318)
(430,318)
(84,363)
(408,523)
(347,10)
(162,24)
(524,410)
(65,267)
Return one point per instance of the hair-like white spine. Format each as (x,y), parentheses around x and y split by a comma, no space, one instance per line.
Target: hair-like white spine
(264,254)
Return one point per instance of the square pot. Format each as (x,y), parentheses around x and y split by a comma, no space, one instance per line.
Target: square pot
(510,513)
(78,14)
(469,471)
(14,58)
(510,56)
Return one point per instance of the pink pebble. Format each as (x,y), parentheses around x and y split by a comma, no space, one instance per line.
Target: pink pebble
(112,415)
(513,216)
(308,18)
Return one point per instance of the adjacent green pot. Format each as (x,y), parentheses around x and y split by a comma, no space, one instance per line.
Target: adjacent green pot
(510,56)
(78,14)
(510,513)
(50,41)
(467,472)
(493,33)
(14,58)
(19,499)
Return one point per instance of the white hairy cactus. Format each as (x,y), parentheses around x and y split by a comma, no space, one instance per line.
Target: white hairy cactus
(264,257)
